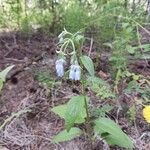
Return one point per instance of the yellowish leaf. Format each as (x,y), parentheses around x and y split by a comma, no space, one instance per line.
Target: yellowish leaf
(146,113)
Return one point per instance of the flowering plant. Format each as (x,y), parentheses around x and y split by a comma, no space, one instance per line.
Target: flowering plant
(77,111)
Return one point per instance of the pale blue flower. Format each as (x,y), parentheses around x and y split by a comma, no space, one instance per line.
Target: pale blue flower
(77,73)
(60,67)
(74,72)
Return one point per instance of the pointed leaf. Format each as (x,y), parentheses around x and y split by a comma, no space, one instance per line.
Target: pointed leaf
(114,135)
(1,84)
(4,73)
(88,64)
(66,136)
(75,111)
(61,111)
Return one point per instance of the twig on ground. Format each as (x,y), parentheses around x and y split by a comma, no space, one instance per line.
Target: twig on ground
(13,116)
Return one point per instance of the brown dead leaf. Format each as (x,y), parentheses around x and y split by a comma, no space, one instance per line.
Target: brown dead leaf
(103,75)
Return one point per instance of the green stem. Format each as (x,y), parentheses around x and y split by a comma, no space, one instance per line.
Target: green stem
(84,94)
(87,123)
(83,84)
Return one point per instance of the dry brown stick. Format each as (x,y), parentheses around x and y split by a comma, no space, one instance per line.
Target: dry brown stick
(13,115)
(6,45)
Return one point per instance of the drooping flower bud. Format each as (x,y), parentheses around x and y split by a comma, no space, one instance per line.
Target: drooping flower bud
(60,67)
(74,72)
(77,73)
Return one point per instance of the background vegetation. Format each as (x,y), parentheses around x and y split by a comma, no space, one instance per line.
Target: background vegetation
(113,33)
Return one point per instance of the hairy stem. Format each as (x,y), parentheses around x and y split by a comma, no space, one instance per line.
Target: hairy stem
(87,123)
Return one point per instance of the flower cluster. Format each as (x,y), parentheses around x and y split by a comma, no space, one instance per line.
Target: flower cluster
(75,69)
(69,43)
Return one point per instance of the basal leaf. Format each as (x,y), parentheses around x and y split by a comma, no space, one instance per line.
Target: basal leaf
(75,111)
(88,64)
(4,73)
(114,136)
(66,136)
(61,111)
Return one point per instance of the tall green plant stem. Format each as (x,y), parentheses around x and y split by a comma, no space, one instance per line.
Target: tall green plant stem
(84,94)
(87,123)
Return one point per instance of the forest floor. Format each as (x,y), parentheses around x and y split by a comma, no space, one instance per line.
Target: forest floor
(32,84)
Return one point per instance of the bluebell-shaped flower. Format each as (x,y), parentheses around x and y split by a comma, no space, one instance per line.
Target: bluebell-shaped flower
(60,67)
(75,72)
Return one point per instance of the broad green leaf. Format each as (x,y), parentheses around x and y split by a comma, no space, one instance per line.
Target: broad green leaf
(4,73)
(88,64)
(114,135)
(75,111)
(61,111)
(66,136)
